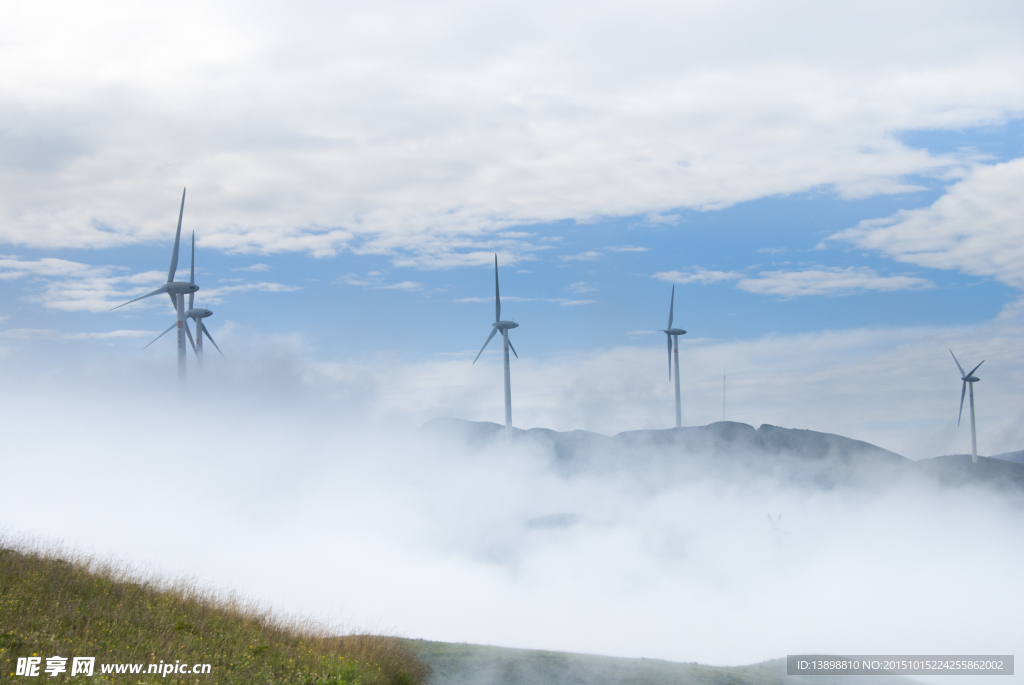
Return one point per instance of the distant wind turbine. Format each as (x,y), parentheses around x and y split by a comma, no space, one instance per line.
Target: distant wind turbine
(197,314)
(673,335)
(504,327)
(969,380)
(176,290)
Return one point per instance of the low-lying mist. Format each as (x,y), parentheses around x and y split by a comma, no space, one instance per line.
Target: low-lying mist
(316,502)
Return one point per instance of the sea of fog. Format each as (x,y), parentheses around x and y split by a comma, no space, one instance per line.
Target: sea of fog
(314,503)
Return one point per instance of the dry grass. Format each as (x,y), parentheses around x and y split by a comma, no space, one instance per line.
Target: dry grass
(56,604)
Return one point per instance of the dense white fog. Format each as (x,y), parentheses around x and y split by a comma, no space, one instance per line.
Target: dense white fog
(318,497)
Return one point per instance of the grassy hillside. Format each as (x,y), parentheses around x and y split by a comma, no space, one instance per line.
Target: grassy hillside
(463,664)
(54,607)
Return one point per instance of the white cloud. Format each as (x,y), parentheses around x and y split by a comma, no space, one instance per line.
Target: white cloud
(254,267)
(375,279)
(977,227)
(588,256)
(512,298)
(216,295)
(627,248)
(697,275)
(30,333)
(14,267)
(407,286)
(51,334)
(828,281)
(652,554)
(109,335)
(405,130)
(457,520)
(75,286)
(580,287)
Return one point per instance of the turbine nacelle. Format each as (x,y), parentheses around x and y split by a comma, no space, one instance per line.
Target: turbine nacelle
(674,331)
(971,379)
(197,313)
(181,288)
(505,325)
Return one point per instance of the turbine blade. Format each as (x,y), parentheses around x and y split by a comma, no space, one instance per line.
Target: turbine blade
(486,342)
(192,272)
(975,368)
(669,339)
(671,306)
(177,239)
(189,334)
(207,331)
(512,348)
(159,290)
(962,374)
(497,295)
(963,391)
(162,334)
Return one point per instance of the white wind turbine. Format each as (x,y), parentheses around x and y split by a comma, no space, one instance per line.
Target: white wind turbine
(969,379)
(176,290)
(504,327)
(673,334)
(197,314)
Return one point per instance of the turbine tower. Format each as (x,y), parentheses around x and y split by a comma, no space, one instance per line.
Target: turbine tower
(673,335)
(969,379)
(504,327)
(176,290)
(197,314)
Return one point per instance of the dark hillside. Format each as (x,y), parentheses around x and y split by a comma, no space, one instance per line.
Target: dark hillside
(464,664)
(736,451)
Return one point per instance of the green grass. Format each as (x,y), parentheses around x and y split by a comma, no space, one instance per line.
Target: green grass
(53,605)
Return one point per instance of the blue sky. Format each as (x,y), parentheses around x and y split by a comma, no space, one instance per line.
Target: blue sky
(351,173)
(590,285)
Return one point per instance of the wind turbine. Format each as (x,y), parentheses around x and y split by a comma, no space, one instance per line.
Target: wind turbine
(504,327)
(673,334)
(176,291)
(197,314)
(969,379)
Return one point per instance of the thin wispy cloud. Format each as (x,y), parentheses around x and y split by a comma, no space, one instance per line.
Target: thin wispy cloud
(375,279)
(828,281)
(406,286)
(52,334)
(697,275)
(512,298)
(109,335)
(218,295)
(627,248)
(588,256)
(14,267)
(74,286)
(254,267)
(581,287)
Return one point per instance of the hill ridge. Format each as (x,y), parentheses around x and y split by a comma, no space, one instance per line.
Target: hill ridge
(727,449)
